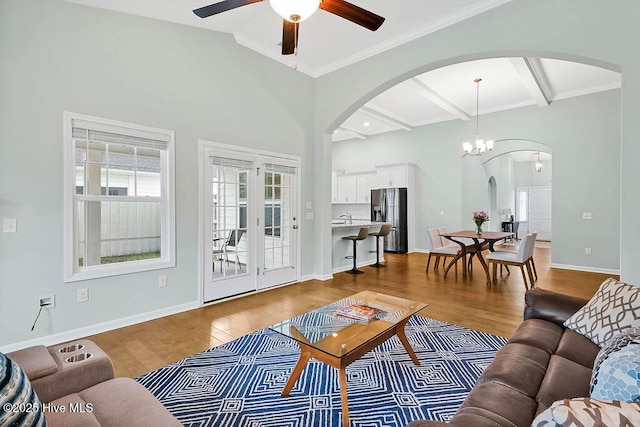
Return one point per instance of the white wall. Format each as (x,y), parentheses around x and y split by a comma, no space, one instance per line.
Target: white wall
(459,186)
(58,56)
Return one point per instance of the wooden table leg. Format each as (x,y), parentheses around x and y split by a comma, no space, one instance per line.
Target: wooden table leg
(484,265)
(462,254)
(343,394)
(405,342)
(305,354)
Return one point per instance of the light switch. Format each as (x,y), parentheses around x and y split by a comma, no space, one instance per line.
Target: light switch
(309,216)
(309,205)
(9,225)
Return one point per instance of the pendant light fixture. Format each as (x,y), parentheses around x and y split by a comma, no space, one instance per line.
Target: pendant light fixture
(481,146)
(538,164)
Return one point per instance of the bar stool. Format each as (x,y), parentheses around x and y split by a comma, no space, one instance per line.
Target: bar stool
(363,234)
(384,230)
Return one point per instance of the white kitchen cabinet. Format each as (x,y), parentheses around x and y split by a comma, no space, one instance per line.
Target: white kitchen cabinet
(361,188)
(397,175)
(346,188)
(365,183)
(353,188)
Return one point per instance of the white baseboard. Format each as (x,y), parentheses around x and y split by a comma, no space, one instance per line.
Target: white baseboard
(587,269)
(85,331)
(321,277)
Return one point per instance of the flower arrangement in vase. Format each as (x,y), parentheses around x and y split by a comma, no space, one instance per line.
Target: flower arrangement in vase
(479,217)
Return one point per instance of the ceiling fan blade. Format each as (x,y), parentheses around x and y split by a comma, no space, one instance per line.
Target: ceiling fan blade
(353,13)
(222,6)
(289,36)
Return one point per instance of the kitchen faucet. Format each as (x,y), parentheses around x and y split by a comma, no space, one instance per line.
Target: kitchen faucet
(348,216)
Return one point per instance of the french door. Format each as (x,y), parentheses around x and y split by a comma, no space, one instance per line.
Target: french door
(251,217)
(277,246)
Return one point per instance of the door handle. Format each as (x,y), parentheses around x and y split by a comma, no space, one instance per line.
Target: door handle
(295,227)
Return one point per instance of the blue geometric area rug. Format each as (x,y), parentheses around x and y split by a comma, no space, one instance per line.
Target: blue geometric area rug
(239,383)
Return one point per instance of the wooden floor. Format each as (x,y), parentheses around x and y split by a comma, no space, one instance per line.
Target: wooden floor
(467,302)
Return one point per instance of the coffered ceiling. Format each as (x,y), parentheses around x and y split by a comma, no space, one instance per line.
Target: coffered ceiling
(449,93)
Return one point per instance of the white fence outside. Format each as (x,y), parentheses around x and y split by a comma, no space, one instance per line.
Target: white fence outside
(127,228)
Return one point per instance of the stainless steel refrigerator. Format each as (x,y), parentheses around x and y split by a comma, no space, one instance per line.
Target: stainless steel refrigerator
(390,205)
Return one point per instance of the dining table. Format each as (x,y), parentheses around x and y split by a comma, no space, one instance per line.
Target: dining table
(483,241)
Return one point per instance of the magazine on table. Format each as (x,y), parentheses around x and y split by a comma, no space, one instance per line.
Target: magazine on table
(359,312)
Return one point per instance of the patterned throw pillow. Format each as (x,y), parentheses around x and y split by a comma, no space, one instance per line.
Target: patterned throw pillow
(615,307)
(19,405)
(616,370)
(588,412)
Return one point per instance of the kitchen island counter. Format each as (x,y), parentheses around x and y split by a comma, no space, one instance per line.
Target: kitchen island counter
(365,249)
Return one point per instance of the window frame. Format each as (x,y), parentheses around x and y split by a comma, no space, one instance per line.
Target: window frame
(73,272)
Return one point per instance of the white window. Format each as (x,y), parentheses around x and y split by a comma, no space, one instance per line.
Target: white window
(522,208)
(119,202)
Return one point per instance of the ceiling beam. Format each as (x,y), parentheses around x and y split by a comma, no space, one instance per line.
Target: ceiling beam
(355,133)
(377,114)
(436,98)
(532,77)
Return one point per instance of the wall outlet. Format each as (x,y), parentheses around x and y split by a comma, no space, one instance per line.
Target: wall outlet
(586,215)
(162,281)
(83,294)
(587,251)
(47,302)
(441,213)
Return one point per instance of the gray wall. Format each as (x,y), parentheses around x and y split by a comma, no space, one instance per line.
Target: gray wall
(583,133)
(589,31)
(58,56)
(524,174)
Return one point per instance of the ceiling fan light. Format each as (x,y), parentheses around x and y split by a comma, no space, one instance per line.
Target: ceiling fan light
(295,10)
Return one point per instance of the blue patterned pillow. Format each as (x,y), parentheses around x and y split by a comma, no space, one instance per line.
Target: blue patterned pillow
(616,370)
(19,405)
(588,412)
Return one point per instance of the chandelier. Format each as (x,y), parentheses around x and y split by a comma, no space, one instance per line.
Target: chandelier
(538,164)
(481,145)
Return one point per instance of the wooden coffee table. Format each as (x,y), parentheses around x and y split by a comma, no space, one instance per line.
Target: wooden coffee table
(338,341)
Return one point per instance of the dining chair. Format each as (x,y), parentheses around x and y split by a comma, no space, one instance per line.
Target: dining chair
(530,250)
(230,245)
(532,246)
(519,259)
(435,248)
(446,243)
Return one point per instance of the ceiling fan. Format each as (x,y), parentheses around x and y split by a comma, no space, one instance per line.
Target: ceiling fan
(295,11)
